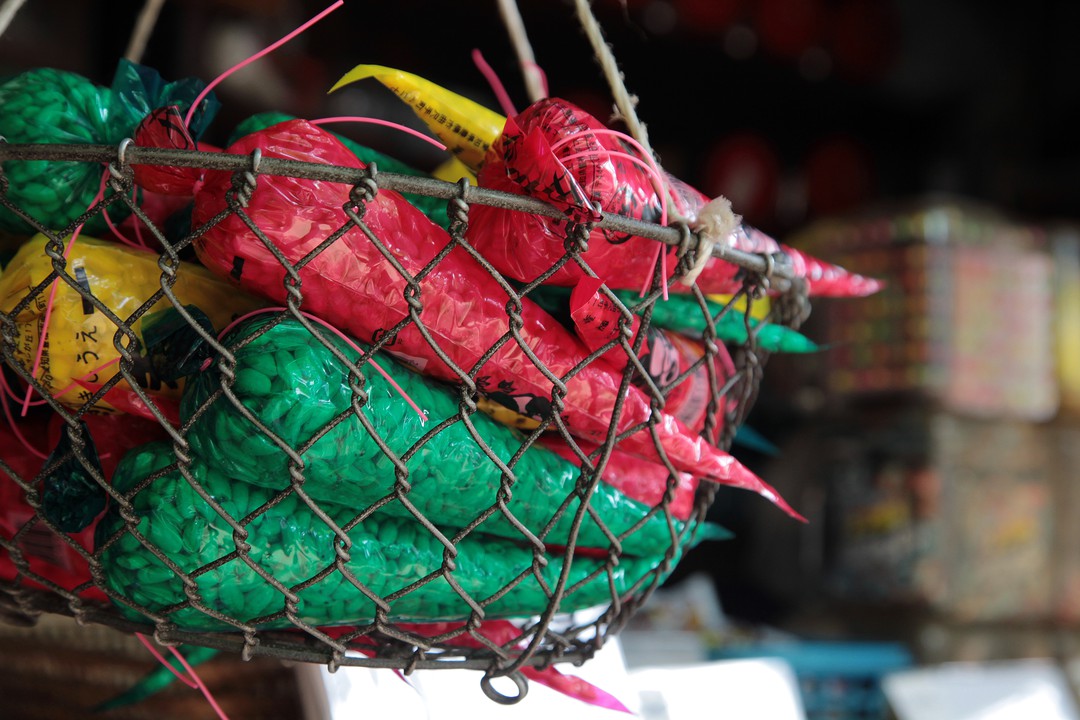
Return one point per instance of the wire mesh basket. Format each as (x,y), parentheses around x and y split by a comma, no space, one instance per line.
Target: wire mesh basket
(268,547)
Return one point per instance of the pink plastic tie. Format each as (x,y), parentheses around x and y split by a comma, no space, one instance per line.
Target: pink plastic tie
(384,123)
(265,51)
(192,679)
(341,335)
(49,309)
(658,181)
(493,80)
(15,426)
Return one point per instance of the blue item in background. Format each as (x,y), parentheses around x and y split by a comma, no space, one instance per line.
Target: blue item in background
(838,680)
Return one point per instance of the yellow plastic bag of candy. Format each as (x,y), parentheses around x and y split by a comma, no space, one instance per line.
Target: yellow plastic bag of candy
(79,353)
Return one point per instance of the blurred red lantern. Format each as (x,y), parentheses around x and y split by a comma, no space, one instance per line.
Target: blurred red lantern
(863,38)
(788,28)
(708,17)
(839,176)
(745,169)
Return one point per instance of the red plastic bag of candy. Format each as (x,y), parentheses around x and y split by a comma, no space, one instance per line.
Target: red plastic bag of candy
(354,284)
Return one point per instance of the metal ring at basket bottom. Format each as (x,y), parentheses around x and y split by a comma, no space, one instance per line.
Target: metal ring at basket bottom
(492,693)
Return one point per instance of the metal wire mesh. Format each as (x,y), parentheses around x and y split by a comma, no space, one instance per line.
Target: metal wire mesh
(548,634)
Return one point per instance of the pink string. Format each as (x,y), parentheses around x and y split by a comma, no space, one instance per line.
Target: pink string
(137,223)
(244,63)
(52,293)
(75,382)
(493,81)
(108,220)
(624,156)
(648,164)
(139,245)
(119,235)
(663,213)
(385,123)
(15,427)
(10,392)
(47,317)
(192,680)
(341,335)
(657,179)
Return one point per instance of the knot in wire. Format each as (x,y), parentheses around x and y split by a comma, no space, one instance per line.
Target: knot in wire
(162,630)
(412,297)
(714,224)
(685,239)
(366,189)
(577,238)
(764,282)
(468,401)
(121,179)
(457,209)
(250,643)
(243,182)
(121,175)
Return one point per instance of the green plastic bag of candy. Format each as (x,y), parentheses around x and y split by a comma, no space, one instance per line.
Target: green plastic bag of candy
(299,390)
(51,106)
(257,557)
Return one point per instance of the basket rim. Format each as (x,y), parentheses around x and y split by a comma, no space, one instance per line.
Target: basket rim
(676,234)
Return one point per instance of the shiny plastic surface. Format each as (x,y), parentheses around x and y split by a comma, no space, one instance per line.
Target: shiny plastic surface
(297,388)
(46,105)
(80,337)
(351,284)
(666,355)
(36,548)
(288,541)
(559,153)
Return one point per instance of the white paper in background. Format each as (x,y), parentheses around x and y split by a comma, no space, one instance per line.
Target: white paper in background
(729,689)
(1008,690)
(354,693)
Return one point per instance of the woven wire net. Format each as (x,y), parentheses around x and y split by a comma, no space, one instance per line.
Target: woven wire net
(344,607)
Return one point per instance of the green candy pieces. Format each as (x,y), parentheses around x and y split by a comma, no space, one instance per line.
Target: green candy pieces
(293,545)
(451,478)
(682,314)
(52,106)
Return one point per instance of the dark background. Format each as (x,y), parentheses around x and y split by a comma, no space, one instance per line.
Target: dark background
(796,108)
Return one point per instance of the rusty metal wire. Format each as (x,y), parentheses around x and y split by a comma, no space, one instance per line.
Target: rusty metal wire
(548,636)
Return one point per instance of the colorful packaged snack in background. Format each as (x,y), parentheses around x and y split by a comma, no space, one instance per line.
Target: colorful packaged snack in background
(79,354)
(352,285)
(288,541)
